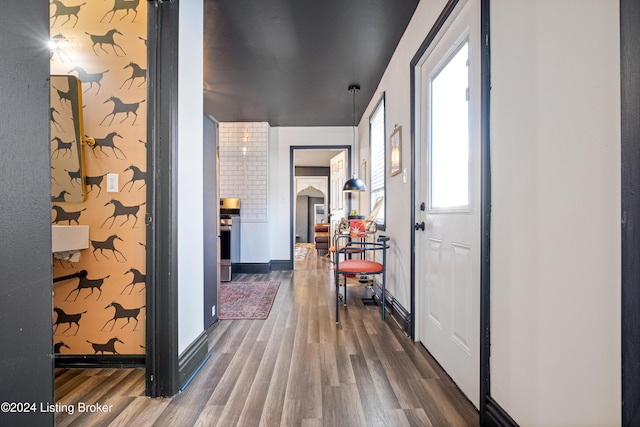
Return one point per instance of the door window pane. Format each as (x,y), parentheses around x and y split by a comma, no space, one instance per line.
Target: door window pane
(449,142)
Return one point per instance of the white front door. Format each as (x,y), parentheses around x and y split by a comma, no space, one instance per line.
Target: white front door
(448,196)
(339,175)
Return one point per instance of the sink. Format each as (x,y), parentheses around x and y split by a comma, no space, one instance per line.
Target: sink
(69,237)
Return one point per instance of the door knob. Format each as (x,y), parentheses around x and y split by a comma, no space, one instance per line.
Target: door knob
(419,226)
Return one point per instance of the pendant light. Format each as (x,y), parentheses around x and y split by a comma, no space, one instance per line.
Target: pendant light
(354,184)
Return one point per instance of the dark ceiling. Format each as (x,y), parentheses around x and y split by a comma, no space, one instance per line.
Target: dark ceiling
(290,62)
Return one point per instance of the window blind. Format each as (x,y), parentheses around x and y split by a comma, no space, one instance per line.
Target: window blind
(377,139)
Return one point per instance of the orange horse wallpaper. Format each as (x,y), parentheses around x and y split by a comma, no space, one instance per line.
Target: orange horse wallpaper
(103,43)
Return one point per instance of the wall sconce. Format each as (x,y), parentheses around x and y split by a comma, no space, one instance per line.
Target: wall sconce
(363,170)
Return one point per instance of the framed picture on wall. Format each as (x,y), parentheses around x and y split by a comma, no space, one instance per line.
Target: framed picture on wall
(395,142)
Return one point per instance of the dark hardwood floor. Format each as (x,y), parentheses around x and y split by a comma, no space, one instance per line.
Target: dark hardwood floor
(297,368)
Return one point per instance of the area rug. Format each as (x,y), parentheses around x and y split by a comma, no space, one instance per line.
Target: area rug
(246,300)
(300,252)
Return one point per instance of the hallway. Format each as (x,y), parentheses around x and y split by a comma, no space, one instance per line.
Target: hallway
(295,368)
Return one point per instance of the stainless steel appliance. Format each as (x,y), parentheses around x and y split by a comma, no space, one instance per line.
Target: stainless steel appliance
(229,237)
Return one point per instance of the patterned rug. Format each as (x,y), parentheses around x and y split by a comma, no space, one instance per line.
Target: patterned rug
(247,300)
(301,251)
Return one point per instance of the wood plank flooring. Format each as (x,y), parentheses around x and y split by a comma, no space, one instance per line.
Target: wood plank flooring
(297,368)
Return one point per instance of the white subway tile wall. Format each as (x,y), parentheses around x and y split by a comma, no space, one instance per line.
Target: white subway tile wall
(243,166)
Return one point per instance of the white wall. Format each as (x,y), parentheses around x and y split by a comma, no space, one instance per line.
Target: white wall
(190,174)
(396,85)
(244,174)
(280,141)
(555,135)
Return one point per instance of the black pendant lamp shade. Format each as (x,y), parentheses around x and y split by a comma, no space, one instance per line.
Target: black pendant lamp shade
(354,184)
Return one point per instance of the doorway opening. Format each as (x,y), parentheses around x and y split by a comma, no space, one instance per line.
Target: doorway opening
(317,176)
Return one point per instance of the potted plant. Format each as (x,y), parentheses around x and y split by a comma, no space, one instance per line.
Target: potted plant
(354,215)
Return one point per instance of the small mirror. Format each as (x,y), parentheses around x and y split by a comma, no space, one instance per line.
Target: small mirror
(67,162)
(319,213)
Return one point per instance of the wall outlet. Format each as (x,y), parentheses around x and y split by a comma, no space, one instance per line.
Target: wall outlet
(213,311)
(112,183)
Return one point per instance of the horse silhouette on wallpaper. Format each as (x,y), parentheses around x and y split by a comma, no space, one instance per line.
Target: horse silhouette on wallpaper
(121,210)
(91,181)
(107,245)
(106,38)
(61,145)
(66,96)
(138,277)
(62,215)
(56,43)
(109,346)
(75,176)
(58,346)
(86,283)
(107,142)
(137,72)
(53,120)
(53,179)
(90,78)
(127,5)
(121,107)
(138,175)
(63,10)
(123,313)
(63,317)
(60,197)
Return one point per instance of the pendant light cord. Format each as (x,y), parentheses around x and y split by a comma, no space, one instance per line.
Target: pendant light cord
(354,118)
(354,89)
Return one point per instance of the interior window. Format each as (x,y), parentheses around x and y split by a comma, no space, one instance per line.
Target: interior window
(378,155)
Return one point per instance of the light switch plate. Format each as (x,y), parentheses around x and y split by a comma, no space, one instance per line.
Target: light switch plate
(112,183)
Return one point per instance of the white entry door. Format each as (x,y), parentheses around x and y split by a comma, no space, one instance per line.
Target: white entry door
(338,177)
(448,196)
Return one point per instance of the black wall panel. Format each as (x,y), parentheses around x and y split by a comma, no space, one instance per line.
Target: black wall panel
(630,91)
(26,363)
